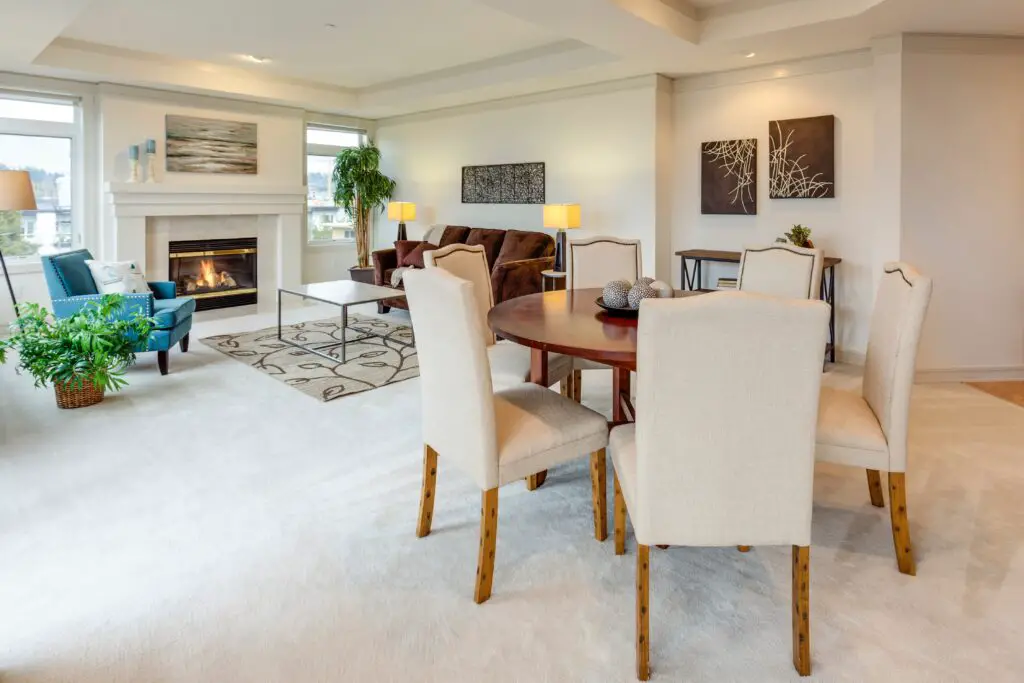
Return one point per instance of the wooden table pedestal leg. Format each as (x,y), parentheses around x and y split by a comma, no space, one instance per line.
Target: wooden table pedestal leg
(538,375)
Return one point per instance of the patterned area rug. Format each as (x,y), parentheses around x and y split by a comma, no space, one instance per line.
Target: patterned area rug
(374,360)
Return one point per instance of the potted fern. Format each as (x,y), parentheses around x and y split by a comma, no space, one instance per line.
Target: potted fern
(83,355)
(360,188)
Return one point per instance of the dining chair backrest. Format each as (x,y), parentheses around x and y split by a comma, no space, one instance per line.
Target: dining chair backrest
(455,375)
(896,322)
(781,270)
(469,263)
(733,463)
(594,262)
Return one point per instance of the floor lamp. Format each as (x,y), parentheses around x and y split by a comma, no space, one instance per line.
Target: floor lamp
(15,195)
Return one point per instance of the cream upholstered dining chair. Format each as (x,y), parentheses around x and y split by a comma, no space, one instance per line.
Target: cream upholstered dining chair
(869,429)
(494,437)
(510,362)
(733,463)
(593,263)
(781,270)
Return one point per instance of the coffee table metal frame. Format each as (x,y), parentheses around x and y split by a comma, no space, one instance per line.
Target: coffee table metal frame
(317,351)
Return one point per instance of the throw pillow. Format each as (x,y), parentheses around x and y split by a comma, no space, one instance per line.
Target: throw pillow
(415,257)
(403,249)
(117,277)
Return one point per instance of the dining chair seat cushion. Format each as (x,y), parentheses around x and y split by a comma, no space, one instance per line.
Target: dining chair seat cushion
(510,365)
(586,364)
(622,444)
(848,431)
(538,428)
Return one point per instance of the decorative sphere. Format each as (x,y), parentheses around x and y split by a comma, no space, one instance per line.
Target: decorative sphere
(646,280)
(616,294)
(663,289)
(640,291)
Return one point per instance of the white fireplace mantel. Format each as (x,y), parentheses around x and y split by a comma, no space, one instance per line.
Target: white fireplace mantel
(130,204)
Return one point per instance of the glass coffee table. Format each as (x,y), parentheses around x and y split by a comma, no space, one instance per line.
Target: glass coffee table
(343,293)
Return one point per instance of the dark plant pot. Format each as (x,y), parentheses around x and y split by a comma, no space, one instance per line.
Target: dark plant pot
(70,396)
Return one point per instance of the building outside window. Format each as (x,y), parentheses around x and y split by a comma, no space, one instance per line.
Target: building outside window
(325,222)
(40,135)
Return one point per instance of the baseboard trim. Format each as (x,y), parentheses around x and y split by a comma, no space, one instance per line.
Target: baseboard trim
(982,374)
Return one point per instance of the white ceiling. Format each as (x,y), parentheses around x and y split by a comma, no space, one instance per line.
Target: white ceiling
(388,57)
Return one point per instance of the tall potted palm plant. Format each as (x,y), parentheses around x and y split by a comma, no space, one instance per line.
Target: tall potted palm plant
(360,188)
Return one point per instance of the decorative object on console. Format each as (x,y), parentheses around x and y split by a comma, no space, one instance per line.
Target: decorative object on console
(640,291)
(196,145)
(401,212)
(799,236)
(16,194)
(360,188)
(728,177)
(802,158)
(81,355)
(150,161)
(504,184)
(561,217)
(134,170)
(616,293)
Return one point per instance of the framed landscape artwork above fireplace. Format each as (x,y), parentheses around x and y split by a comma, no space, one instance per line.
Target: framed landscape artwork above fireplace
(217,273)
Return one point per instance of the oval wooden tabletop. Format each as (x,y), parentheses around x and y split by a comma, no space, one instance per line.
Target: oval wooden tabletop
(569,322)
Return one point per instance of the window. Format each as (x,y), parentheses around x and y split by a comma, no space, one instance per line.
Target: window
(325,222)
(40,136)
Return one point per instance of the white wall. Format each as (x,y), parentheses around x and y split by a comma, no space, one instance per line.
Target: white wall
(598,145)
(732,106)
(963,201)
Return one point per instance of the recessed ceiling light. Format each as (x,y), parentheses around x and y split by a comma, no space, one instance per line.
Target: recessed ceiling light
(255,60)
(330,25)
(750,55)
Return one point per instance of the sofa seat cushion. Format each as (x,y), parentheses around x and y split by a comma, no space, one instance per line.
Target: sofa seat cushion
(454,234)
(490,240)
(169,313)
(522,244)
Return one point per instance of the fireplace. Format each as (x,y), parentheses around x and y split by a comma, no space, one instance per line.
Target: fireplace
(217,273)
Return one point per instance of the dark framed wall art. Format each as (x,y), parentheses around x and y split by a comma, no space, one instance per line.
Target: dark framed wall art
(504,184)
(728,177)
(802,158)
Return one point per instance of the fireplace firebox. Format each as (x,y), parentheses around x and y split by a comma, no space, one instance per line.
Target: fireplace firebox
(217,273)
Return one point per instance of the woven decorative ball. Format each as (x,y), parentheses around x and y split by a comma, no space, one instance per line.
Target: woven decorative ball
(646,280)
(641,291)
(663,289)
(616,294)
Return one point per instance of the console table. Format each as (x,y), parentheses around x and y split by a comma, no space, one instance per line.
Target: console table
(694,279)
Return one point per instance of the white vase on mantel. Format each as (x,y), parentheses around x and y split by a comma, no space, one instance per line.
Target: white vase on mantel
(135,171)
(150,168)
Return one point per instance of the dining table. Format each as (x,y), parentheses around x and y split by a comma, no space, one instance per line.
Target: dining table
(571,322)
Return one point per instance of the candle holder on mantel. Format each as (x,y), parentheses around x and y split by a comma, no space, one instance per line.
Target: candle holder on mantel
(135,172)
(150,161)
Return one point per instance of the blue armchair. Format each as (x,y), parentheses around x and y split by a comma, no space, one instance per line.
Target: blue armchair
(72,287)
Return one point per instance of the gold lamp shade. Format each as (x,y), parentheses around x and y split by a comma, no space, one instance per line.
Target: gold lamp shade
(16,191)
(562,216)
(401,211)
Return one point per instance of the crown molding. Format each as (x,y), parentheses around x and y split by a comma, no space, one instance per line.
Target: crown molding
(843,61)
(929,43)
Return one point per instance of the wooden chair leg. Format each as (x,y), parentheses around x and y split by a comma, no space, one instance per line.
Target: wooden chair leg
(643,616)
(743,548)
(161,361)
(900,523)
(619,513)
(427,492)
(184,344)
(577,385)
(566,387)
(599,493)
(535,481)
(875,488)
(802,609)
(488,542)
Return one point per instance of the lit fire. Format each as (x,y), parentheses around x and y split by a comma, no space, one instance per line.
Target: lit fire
(208,277)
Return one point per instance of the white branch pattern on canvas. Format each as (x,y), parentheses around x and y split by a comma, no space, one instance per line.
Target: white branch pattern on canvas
(789,177)
(737,159)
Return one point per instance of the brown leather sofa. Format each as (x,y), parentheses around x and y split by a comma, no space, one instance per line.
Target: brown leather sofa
(516,259)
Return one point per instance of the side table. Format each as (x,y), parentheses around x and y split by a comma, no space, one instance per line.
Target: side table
(554,280)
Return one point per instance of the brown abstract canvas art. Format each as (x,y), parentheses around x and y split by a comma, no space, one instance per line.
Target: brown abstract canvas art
(504,184)
(196,145)
(802,158)
(728,177)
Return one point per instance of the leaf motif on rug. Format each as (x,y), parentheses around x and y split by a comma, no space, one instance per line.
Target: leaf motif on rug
(375,356)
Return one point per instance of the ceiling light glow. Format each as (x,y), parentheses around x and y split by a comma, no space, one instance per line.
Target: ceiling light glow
(255,60)
(750,55)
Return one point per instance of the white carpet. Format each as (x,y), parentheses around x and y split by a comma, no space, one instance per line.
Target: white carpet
(215,525)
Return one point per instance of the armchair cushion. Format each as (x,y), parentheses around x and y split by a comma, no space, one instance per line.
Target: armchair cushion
(163,290)
(169,313)
(68,274)
(490,240)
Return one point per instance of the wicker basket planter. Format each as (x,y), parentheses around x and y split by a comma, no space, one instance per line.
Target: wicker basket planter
(70,396)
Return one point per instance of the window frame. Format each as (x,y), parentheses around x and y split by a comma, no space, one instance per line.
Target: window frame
(74,133)
(321,150)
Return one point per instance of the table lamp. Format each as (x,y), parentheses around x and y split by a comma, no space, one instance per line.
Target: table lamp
(15,195)
(561,217)
(401,212)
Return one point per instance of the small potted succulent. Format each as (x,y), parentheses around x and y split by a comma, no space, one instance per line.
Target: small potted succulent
(799,236)
(83,355)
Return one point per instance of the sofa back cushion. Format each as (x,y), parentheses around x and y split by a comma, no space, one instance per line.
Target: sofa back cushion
(454,234)
(523,244)
(490,240)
